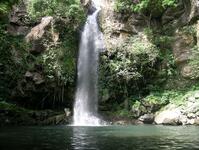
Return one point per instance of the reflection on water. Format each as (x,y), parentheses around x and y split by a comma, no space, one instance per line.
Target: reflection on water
(82,139)
(100,138)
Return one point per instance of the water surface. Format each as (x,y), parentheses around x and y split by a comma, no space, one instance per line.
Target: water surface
(100,138)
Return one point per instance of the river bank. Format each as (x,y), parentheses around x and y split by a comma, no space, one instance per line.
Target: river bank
(12,115)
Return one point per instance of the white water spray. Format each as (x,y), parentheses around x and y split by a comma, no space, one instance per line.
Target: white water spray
(86,101)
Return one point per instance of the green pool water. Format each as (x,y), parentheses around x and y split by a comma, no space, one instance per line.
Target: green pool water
(100,138)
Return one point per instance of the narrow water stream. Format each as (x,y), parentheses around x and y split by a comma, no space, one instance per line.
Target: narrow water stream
(86,101)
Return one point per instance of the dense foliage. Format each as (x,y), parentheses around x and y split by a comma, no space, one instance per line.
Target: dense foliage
(70,10)
(13,55)
(153,7)
(5,5)
(127,69)
(55,66)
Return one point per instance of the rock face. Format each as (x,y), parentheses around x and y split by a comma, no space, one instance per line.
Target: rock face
(86,3)
(197,29)
(34,81)
(19,20)
(118,27)
(194,12)
(37,33)
(184,41)
(182,46)
(185,12)
(186,114)
(35,76)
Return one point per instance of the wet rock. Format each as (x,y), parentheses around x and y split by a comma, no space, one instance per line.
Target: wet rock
(67,112)
(120,122)
(147,118)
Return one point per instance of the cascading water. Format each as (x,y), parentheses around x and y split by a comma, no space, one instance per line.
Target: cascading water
(86,101)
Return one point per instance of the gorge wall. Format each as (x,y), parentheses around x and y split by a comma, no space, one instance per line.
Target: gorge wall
(150,61)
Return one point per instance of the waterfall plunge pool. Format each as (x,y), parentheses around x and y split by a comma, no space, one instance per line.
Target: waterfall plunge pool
(142,137)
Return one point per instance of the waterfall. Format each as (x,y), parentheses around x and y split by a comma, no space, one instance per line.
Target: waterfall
(86,100)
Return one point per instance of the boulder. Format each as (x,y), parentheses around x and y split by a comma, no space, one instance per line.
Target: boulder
(186,114)
(187,71)
(169,116)
(38,31)
(196,121)
(190,122)
(183,119)
(171,121)
(147,118)
(67,112)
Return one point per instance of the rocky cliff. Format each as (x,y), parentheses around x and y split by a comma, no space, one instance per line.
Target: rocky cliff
(149,66)
(128,71)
